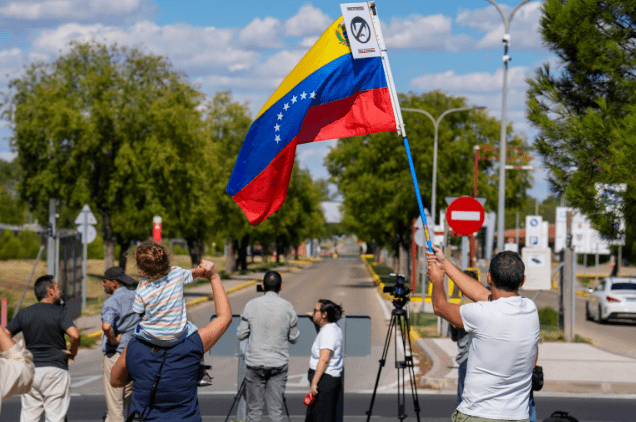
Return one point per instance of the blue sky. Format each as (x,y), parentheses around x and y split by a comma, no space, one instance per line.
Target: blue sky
(248,47)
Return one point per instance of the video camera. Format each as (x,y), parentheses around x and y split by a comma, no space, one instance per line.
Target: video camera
(259,288)
(399,290)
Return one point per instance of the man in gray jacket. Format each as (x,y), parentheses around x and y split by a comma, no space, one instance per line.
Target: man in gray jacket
(270,323)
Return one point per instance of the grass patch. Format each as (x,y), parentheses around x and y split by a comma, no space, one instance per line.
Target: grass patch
(425,324)
(586,281)
(548,317)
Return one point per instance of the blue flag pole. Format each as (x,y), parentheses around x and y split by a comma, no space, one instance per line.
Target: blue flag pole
(417,194)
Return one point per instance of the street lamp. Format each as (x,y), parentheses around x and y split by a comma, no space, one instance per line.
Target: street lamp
(502,147)
(436,124)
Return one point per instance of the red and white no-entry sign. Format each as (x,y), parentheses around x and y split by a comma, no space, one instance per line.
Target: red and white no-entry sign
(465,215)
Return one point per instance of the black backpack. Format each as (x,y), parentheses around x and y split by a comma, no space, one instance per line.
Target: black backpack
(560,416)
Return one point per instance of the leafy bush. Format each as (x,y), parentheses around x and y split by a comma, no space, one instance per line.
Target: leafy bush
(31,243)
(180,250)
(10,247)
(548,317)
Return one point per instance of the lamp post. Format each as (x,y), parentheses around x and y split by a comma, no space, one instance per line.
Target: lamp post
(436,125)
(502,148)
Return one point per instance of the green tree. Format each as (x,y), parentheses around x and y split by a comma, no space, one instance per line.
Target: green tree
(108,126)
(225,126)
(584,110)
(372,171)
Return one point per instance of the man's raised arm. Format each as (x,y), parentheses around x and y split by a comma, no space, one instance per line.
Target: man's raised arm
(470,287)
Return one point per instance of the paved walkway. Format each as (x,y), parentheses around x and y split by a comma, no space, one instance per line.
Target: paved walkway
(577,368)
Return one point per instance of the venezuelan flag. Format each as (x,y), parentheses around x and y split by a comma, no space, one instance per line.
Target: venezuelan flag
(327,95)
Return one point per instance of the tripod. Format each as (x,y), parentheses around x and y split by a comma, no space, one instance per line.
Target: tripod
(399,320)
(238,396)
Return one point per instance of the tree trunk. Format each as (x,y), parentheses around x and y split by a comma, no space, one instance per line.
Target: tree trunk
(404,261)
(296,252)
(242,252)
(109,244)
(278,248)
(230,259)
(123,258)
(195,249)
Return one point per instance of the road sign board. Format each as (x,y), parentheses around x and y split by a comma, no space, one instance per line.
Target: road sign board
(91,233)
(86,211)
(465,215)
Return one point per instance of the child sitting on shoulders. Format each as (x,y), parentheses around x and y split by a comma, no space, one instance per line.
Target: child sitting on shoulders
(159,297)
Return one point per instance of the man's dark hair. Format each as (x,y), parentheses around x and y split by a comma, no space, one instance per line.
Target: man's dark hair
(472,274)
(334,312)
(42,286)
(272,281)
(506,271)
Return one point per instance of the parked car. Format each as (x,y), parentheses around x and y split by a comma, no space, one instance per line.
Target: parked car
(614,297)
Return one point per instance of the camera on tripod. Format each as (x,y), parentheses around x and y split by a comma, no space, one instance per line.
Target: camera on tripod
(399,290)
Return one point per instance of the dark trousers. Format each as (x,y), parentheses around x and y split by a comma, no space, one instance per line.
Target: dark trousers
(325,405)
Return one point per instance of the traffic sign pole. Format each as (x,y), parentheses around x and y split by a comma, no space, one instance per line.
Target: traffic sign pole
(85,254)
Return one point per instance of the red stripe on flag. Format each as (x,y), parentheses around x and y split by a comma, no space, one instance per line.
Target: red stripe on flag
(362,113)
(266,192)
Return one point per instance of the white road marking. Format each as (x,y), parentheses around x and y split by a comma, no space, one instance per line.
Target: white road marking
(79,381)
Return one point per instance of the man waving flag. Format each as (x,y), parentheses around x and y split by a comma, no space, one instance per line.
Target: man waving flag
(327,95)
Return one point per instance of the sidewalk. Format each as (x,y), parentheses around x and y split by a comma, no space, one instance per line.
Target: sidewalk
(574,368)
(92,325)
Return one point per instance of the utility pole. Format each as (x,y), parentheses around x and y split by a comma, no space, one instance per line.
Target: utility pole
(567,291)
(51,250)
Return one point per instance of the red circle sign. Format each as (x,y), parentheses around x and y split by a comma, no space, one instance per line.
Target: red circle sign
(465,215)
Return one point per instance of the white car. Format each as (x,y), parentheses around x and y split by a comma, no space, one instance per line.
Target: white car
(614,297)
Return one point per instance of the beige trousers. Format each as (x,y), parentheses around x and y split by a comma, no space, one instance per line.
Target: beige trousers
(117,399)
(50,393)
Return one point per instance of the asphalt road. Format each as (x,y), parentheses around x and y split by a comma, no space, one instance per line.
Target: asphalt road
(617,336)
(434,408)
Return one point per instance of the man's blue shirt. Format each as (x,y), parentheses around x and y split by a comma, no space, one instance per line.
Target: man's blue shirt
(117,311)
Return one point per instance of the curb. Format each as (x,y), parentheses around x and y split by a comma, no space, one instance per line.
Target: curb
(195,302)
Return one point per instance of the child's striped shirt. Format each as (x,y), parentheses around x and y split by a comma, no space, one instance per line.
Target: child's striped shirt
(161,301)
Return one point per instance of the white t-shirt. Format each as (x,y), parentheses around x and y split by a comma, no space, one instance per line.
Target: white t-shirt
(329,337)
(504,335)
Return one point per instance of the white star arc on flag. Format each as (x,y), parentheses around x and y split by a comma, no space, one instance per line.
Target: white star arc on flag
(277,139)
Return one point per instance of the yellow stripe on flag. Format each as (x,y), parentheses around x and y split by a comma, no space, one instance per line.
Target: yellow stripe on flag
(327,49)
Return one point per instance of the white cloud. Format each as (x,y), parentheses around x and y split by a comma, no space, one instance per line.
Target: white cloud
(308,21)
(471,82)
(308,42)
(8,155)
(524,27)
(194,49)
(67,9)
(262,33)
(432,32)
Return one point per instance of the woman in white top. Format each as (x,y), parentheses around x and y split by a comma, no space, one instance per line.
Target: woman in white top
(325,364)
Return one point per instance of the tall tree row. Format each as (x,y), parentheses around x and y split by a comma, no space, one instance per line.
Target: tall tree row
(584,107)
(121,130)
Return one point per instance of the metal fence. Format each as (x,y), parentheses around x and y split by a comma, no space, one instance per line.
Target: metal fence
(70,272)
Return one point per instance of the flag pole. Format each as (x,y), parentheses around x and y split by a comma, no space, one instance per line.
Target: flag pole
(397,112)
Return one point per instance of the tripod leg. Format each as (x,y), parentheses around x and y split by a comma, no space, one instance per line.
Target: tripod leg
(286,409)
(409,360)
(236,399)
(387,342)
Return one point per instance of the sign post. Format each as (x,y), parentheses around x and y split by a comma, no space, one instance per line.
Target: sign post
(85,219)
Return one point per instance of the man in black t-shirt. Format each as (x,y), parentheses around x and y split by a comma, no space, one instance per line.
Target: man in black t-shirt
(43,326)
